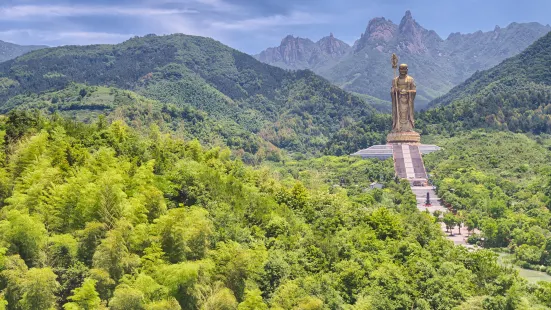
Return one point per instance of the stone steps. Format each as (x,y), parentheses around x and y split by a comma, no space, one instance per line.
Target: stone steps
(408,165)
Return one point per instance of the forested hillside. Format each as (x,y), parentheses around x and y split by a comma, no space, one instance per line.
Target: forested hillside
(98,215)
(500,184)
(297,111)
(86,103)
(515,96)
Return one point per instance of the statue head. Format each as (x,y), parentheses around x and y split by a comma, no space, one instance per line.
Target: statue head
(403,69)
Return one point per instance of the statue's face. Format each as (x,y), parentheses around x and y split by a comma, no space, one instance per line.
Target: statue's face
(403,70)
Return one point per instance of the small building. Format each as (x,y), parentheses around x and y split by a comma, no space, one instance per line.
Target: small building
(376,185)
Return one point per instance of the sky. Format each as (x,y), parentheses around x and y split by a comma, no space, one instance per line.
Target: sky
(247,25)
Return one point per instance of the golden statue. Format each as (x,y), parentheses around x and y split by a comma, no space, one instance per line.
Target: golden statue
(403,93)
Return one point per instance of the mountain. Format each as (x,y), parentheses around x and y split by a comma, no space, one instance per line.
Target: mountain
(514,95)
(9,50)
(437,64)
(299,53)
(297,111)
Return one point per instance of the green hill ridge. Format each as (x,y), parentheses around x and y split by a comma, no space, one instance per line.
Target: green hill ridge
(515,95)
(297,111)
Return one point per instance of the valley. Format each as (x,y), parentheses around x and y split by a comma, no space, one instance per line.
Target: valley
(176,172)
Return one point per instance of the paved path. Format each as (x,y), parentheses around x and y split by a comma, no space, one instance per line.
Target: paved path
(421,195)
(408,164)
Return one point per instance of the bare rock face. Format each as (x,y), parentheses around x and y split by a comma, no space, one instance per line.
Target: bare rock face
(414,38)
(332,47)
(299,53)
(292,51)
(437,64)
(379,33)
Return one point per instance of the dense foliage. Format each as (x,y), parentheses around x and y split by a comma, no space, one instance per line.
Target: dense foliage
(297,111)
(97,216)
(501,185)
(515,96)
(87,103)
(125,192)
(369,131)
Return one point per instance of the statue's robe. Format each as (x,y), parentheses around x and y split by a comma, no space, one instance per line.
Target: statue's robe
(407,84)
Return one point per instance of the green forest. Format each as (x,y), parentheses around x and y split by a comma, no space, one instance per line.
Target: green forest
(102,215)
(84,103)
(513,96)
(293,110)
(174,172)
(500,185)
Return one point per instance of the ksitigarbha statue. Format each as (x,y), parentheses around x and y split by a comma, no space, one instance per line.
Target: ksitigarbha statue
(403,93)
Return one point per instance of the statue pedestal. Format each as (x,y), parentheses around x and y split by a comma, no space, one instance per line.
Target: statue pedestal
(409,137)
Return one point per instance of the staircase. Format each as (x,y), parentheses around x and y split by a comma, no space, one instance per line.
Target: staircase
(408,164)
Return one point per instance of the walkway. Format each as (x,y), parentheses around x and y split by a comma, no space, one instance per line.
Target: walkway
(408,164)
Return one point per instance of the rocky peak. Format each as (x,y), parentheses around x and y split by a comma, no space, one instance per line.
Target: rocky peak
(380,29)
(414,38)
(454,35)
(294,49)
(332,46)
(408,25)
(378,33)
(299,53)
(408,36)
(290,39)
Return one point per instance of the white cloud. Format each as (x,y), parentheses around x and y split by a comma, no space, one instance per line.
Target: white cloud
(218,19)
(208,5)
(22,36)
(27,11)
(221,6)
(293,19)
(186,24)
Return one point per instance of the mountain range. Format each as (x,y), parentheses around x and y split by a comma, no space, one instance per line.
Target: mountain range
(197,87)
(437,64)
(297,111)
(9,50)
(514,95)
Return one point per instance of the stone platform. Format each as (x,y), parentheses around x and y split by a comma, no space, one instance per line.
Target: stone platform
(385,151)
(410,137)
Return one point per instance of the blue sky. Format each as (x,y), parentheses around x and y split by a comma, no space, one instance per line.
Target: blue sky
(248,25)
